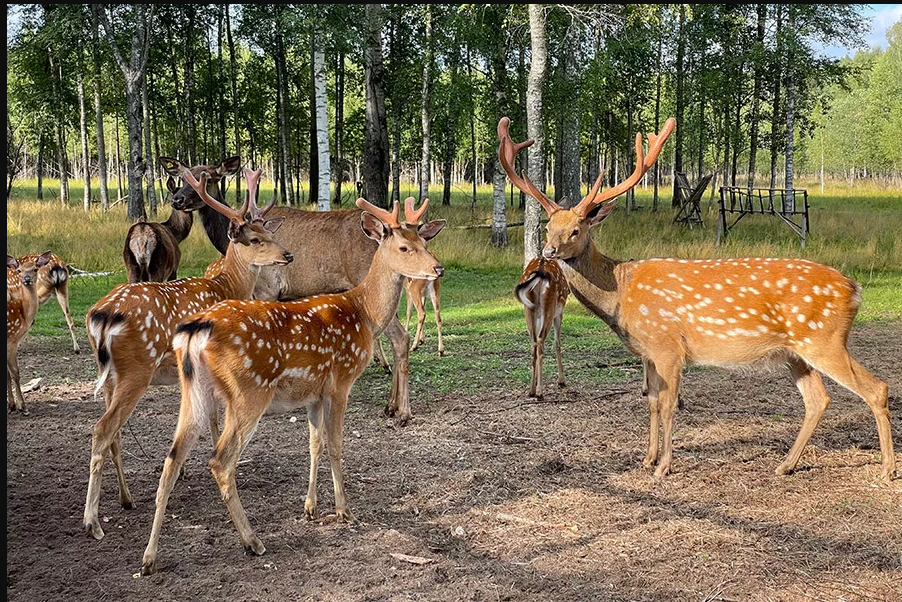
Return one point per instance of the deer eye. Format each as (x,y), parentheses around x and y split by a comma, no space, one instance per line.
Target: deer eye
(575,233)
(403,249)
(255,241)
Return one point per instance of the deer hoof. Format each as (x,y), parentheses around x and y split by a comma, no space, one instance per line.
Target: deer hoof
(149,567)
(94,530)
(255,547)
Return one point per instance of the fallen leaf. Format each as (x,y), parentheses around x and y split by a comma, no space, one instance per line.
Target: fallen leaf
(32,385)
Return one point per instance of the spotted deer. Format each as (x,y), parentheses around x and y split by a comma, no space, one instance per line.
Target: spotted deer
(131,329)
(258,356)
(314,270)
(151,252)
(52,280)
(20,312)
(543,291)
(719,312)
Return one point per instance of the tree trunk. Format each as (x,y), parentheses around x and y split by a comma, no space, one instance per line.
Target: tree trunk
(120,193)
(190,122)
(680,100)
(397,109)
(85,154)
(233,77)
(375,163)
(148,149)
(39,168)
(790,107)
(499,177)
(569,165)
(59,134)
(102,176)
(656,173)
(425,160)
(220,77)
(322,120)
(451,129)
(532,233)
(472,127)
(775,137)
(284,123)
(339,123)
(313,176)
(756,96)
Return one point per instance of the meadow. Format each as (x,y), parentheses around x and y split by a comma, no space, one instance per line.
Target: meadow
(494,495)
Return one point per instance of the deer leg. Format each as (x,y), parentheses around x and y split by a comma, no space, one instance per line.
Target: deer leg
(409,308)
(62,295)
(558,318)
(421,321)
(15,400)
(379,354)
(399,402)
(668,371)
(434,295)
(650,390)
(235,436)
(816,399)
(186,435)
(540,360)
(335,434)
(315,423)
(842,368)
(533,352)
(120,404)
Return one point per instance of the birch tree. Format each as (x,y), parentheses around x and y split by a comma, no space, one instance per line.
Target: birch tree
(322,119)
(532,233)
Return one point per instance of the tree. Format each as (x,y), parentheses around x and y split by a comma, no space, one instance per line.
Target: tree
(425,160)
(375,155)
(98,115)
(140,16)
(322,118)
(532,233)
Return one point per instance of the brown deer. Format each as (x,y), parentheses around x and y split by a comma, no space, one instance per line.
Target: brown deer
(52,280)
(268,356)
(152,252)
(543,291)
(20,312)
(720,312)
(131,328)
(339,259)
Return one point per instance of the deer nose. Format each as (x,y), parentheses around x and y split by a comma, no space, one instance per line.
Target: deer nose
(177,202)
(288,256)
(549,252)
(439,271)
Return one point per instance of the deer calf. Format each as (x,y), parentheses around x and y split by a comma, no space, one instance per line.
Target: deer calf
(416,291)
(543,291)
(269,356)
(20,312)
(152,252)
(52,280)
(131,329)
(717,312)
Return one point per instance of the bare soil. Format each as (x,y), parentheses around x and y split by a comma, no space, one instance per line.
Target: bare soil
(495,496)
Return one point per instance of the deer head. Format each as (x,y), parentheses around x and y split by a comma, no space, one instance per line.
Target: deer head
(249,230)
(568,229)
(186,197)
(403,246)
(28,270)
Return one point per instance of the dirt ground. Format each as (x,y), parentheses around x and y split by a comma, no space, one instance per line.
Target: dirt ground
(495,496)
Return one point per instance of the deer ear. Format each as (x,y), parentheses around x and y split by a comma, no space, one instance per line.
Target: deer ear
(429,230)
(600,213)
(173,167)
(171,185)
(373,227)
(271,225)
(44,259)
(11,262)
(230,166)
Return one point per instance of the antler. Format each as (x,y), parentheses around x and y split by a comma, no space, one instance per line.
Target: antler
(507,150)
(390,218)
(643,164)
(201,189)
(253,181)
(411,216)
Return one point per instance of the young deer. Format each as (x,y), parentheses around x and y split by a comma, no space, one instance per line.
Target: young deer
(721,312)
(270,356)
(543,291)
(131,329)
(20,312)
(52,279)
(151,252)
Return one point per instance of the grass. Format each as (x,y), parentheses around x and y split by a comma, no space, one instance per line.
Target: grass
(486,346)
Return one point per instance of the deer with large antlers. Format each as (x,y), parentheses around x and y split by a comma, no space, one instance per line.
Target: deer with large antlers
(720,312)
(268,356)
(20,312)
(131,329)
(333,255)
(543,291)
